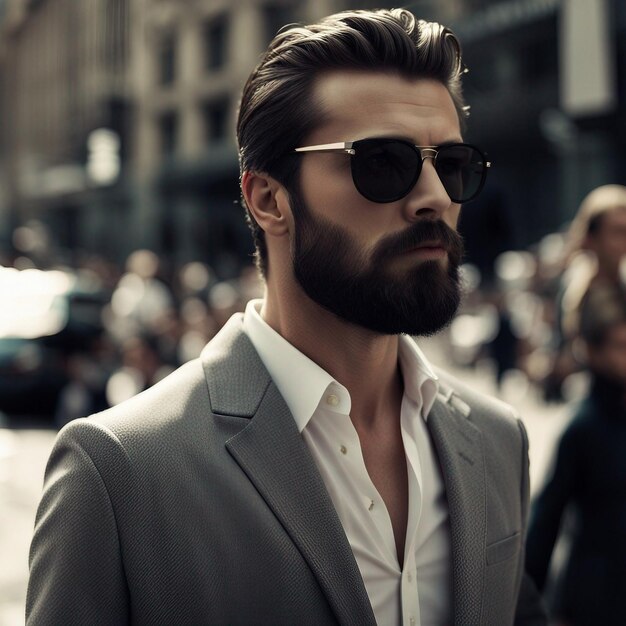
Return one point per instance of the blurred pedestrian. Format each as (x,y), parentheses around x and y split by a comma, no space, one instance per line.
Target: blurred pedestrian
(87,373)
(142,299)
(597,248)
(310,467)
(141,367)
(589,478)
(504,347)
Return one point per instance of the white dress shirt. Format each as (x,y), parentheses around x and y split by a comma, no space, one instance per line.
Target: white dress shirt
(421,592)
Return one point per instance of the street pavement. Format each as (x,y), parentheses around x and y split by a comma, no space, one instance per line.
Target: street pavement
(24,451)
(23,455)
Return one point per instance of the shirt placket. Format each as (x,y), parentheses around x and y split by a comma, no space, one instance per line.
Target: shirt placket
(374,508)
(409,592)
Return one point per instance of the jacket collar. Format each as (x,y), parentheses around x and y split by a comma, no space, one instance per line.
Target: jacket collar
(459,447)
(271,452)
(275,458)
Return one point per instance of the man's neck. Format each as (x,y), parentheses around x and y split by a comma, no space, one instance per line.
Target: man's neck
(364,362)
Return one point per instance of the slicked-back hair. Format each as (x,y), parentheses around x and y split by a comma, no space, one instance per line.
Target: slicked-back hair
(276,112)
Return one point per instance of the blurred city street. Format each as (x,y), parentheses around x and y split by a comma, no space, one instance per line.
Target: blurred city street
(23,454)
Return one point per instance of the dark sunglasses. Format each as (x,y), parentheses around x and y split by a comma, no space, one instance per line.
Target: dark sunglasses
(385,170)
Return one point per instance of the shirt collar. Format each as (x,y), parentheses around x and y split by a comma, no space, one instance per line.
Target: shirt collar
(421,384)
(287,364)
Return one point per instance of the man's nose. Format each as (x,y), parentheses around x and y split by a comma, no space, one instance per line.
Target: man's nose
(429,195)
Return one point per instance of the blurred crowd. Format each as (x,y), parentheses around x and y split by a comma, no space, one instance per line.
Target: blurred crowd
(556,317)
(523,324)
(78,338)
(122,329)
(127,327)
(586,491)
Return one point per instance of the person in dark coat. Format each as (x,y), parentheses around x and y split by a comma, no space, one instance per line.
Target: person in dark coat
(590,478)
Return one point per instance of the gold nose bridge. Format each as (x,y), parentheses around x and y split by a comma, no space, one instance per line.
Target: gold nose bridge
(428,153)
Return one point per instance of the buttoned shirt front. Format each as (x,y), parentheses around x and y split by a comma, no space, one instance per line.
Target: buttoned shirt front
(419,593)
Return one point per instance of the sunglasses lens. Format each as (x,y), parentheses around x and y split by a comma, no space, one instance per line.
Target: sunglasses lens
(384,170)
(462,170)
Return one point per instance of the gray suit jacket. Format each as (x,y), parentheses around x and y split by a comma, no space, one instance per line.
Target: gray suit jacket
(197,502)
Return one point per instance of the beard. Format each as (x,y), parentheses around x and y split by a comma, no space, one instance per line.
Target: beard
(330,268)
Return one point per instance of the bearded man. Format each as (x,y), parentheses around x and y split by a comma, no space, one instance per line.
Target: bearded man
(311,467)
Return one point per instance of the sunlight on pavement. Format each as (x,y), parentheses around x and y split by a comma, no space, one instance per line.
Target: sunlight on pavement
(23,455)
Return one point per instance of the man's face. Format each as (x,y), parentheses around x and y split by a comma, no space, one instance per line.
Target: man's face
(393,267)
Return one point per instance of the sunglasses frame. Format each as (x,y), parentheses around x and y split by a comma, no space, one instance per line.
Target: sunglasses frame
(425,152)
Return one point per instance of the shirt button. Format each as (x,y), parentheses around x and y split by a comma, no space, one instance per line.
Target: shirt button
(410,577)
(332,400)
(343,450)
(412,621)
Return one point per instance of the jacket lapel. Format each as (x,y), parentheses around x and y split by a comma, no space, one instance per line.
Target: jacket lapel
(271,452)
(459,448)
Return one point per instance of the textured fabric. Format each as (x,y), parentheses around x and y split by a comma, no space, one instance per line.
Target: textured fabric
(483,451)
(197,502)
(420,591)
(287,364)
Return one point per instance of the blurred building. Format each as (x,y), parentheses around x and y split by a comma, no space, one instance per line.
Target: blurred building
(547,87)
(117,116)
(64,75)
(117,124)
(191,61)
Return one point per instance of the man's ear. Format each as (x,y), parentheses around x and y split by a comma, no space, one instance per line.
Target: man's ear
(267,201)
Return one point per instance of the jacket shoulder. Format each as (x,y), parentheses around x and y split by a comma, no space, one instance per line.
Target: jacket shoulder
(177,397)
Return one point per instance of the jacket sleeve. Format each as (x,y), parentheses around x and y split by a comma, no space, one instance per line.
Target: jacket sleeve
(549,507)
(76,571)
(530,610)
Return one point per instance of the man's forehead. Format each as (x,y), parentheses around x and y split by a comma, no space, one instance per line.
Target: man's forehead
(355,98)
(352,86)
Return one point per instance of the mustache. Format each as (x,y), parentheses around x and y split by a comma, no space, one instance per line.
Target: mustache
(424,231)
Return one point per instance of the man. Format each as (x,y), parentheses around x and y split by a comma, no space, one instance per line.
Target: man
(310,468)
(589,479)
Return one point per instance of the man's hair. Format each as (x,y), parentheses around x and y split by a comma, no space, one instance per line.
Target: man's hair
(276,112)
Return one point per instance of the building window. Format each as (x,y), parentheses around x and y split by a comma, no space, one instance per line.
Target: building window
(168,130)
(216,42)
(216,118)
(167,60)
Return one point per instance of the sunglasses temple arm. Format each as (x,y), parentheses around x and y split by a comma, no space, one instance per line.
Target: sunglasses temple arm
(345,148)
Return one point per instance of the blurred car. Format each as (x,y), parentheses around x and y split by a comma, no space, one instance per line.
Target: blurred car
(44,317)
